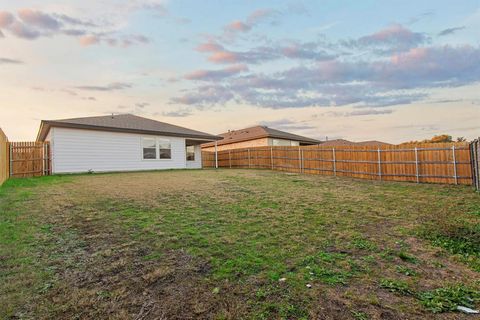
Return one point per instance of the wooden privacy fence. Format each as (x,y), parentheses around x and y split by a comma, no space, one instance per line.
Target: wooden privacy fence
(4,158)
(475,155)
(431,163)
(29,159)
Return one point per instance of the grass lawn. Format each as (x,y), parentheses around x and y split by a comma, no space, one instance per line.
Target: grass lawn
(236,244)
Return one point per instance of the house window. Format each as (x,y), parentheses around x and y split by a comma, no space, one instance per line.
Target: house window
(165,149)
(149,148)
(156,148)
(190,153)
(282,143)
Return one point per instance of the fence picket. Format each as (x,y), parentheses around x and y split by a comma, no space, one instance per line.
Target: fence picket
(428,163)
(29,159)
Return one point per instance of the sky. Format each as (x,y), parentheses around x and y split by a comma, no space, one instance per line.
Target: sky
(393,71)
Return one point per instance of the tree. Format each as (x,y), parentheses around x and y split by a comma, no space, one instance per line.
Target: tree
(440,138)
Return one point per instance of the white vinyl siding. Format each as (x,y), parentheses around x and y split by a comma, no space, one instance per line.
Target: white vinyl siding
(79,150)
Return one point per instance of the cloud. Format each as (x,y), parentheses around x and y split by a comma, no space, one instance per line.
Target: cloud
(394,38)
(67,91)
(403,78)
(110,87)
(20,30)
(74,32)
(122,41)
(287,125)
(74,21)
(291,50)
(10,61)
(215,75)
(356,113)
(88,40)
(209,94)
(177,113)
(142,105)
(32,24)
(132,39)
(157,7)
(238,26)
(6,19)
(420,17)
(450,31)
(260,15)
(251,21)
(38,19)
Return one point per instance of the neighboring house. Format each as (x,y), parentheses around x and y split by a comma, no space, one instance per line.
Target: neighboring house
(121,143)
(259,136)
(342,142)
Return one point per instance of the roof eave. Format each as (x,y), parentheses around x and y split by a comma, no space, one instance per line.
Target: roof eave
(42,131)
(48,123)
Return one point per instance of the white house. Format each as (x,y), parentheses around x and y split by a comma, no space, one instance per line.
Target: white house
(121,143)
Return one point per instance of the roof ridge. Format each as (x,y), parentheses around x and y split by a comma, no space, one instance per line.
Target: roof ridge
(127,123)
(261,131)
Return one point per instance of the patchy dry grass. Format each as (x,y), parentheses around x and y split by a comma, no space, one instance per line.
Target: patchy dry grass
(232,244)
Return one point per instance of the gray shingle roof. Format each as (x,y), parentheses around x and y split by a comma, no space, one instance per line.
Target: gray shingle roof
(124,123)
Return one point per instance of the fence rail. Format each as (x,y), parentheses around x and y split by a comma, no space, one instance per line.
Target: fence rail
(448,163)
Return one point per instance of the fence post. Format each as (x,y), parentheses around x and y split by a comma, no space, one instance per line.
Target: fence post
(299,159)
(454,165)
(230,158)
(43,159)
(476,162)
(216,156)
(334,163)
(379,163)
(303,162)
(471,146)
(248,150)
(416,165)
(271,156)
(10,146)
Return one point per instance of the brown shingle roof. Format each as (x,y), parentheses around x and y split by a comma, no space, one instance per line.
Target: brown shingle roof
(259,132)
(124,123)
